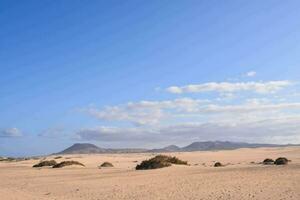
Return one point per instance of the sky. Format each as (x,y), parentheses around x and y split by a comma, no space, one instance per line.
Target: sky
(147,73)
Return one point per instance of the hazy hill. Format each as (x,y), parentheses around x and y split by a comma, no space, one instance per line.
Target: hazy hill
(220,145)
(171,148)
(86,148)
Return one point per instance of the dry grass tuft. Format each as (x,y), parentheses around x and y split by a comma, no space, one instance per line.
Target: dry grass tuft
(218,164)
(106,164)
(268,161)
(67,163)
(46,163)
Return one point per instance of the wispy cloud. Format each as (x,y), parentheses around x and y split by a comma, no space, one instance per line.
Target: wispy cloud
(223,87)
(145,112)
(150,113)
(10,132)
(259,131)
(107,133)
(251,74)
(195,119)
(243,116)
(53,132)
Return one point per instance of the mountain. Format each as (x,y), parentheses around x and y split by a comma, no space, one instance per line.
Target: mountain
(171,148)
(217,145)
(82,148)
(86,148)
(225,145)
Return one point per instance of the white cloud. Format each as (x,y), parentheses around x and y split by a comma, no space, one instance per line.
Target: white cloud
(10,132)
(223,87)
(145,112)
(108,133)
(249,107)
(195,119)
(153,113)
(257,118)
(175,90)
(53,132)
(269,131)
(251,74)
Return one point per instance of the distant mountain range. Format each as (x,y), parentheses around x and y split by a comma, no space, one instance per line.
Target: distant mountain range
(86,148)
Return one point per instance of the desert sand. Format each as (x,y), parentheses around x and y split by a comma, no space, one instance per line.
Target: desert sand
(242,178)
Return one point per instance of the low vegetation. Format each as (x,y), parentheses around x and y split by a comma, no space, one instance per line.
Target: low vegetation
(67,163)
(9,159)
(218,164)
(268,161)
(160,161)
(278,161)
(58,157)
(46,163)
(106,164)
(12,159)
(2,158)
(281,161)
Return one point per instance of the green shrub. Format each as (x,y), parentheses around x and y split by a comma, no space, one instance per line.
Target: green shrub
(159,161)
(281,161)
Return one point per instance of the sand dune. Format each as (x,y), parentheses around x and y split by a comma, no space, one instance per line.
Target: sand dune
(240,179)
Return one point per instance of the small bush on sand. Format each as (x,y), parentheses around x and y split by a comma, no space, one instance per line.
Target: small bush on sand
(268,161)
(160,161)
(218,164)
(58,157)
(67,163)
(281,161)
(2,158)
(10,159)
(45,163)
(106,164)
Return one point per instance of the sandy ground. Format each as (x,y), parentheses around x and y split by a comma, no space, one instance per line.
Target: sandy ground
(240,179)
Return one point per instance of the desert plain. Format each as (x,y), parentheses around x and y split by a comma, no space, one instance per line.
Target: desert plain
(242,177)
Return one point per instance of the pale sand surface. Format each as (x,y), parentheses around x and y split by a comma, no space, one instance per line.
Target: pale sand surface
(239,180)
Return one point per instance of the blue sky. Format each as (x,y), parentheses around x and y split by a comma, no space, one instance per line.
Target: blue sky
(101,72)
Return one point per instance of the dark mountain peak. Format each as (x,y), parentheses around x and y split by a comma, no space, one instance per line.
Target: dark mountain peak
(83,145)
(79,148)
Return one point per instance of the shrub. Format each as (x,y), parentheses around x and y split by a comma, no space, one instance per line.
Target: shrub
(218,164)
(67,163)
(268,161)
(45,163)
(106,164)
(281,161)
(160,161)
(9,159)
(58,157)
